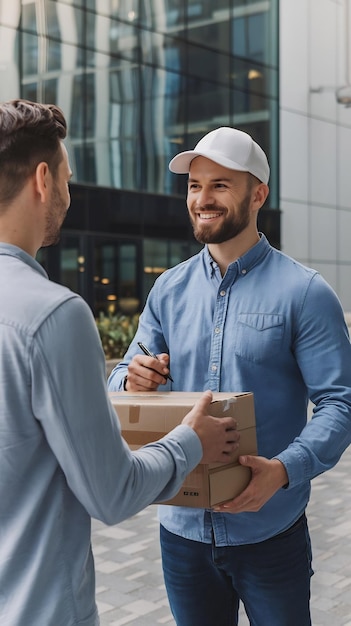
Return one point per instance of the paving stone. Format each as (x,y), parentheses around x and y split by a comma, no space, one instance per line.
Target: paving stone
(130,587)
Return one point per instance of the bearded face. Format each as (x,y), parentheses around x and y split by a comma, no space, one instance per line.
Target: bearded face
(219,201)
(213,224)
(58,202)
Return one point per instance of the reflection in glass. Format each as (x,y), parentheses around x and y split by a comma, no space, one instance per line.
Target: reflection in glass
(209,24)
(50,91)
(139,81)
(155,262)
(105,267)
(161,255)
(29,91)
(252,37)
(30,54)
(168,16)
(128,301)
(115,276)
(124,124)
(52,23)
(71,268)
(54,49)
(123,39)
(29,18)
(142,79)
(77,107)
(208,103)
(162,51)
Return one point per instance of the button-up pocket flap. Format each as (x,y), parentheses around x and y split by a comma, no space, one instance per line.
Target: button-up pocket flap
(261,321)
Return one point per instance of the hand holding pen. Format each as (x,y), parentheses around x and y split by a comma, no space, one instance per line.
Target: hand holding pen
(154,356)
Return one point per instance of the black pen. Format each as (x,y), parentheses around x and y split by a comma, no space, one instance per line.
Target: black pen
(149,353)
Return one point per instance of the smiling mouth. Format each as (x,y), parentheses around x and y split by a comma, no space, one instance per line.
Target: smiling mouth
(208,216)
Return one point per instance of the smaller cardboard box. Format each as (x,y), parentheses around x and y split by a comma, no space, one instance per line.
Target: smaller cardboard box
(146,417)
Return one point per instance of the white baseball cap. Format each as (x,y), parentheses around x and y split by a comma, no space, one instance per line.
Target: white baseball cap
(229,147)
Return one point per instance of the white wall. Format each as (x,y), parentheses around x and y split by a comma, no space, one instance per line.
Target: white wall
(315,139)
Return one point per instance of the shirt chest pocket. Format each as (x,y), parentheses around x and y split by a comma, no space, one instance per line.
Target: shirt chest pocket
(259,336)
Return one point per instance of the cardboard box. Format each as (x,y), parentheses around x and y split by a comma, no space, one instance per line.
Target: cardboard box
(146,417)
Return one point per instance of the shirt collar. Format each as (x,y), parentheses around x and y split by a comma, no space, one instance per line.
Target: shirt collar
(7,249)
(247,261)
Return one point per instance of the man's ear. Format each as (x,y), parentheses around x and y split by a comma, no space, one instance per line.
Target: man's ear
(41,180)
(260,195)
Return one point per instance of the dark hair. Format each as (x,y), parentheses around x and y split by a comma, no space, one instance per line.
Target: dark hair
(29,134)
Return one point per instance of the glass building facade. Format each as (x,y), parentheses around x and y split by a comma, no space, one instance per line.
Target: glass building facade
(139,81)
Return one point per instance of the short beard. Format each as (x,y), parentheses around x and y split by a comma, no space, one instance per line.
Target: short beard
(53,228)
(230,228)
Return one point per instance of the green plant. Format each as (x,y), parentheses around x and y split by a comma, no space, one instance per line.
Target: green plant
(116,333)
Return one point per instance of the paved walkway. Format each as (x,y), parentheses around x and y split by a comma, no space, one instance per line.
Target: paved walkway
(130,587)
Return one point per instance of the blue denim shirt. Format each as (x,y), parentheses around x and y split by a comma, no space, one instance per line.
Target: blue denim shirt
(270,326)
(62,458)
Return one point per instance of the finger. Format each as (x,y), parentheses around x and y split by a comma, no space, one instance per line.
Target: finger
(232,437)
(164,376)
(203,403)
(156,366)
(163,357)
(246,460)
(229,454)
(250,461)
(141,365)
(237,505)
(229,423)
(243,460)
(141,378)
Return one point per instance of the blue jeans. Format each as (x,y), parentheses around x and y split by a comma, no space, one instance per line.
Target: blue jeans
(205,583)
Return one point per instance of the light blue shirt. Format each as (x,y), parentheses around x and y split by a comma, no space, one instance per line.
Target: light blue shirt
(62,458)
(270,326)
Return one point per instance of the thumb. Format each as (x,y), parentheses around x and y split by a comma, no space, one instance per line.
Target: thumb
(203,403)
(200,409)
(247,460)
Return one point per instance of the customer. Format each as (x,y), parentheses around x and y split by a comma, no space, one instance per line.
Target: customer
(242,316)
(62,458)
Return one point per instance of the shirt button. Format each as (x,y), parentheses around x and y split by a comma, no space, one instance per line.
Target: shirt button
(243,271)
(222,293)
(214,368)
(217,330)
